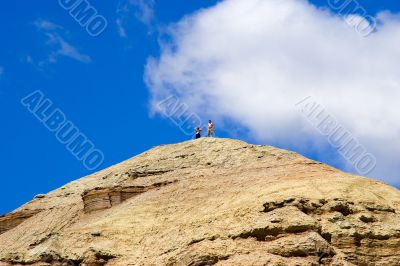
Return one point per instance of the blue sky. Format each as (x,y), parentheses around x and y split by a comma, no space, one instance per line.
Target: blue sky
(98,83)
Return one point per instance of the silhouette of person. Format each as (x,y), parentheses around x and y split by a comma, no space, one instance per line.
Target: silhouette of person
(198,132)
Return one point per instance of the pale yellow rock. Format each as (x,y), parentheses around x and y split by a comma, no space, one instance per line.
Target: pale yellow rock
(209,202)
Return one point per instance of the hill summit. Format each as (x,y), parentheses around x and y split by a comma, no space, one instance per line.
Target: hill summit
(209,202)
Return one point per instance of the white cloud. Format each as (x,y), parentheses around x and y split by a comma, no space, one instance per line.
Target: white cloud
(251,61)
(59,47)
(121,28)
(46,25)
(142,10)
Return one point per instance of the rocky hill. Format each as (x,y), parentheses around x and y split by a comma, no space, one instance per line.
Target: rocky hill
(209,202)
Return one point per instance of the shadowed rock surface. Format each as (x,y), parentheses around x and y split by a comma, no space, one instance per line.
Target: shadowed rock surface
(209,202)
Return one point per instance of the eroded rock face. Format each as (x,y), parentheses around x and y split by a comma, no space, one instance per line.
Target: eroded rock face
(11,220)
(107,197)
(350,227)
(209,202)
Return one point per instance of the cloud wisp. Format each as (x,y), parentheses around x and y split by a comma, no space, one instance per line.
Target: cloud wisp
(142,10)
(250,61)
(57,44)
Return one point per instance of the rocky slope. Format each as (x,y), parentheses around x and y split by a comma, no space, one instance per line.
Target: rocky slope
(209,202)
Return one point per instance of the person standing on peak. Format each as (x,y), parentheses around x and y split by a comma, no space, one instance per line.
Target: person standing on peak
(198,132)
(210,129)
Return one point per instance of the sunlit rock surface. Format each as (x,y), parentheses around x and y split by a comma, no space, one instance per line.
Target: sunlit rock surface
(209,202)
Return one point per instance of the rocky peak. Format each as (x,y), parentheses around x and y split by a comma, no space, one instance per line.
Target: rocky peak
(209,202)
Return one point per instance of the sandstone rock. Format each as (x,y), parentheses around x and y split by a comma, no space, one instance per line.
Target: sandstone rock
(209,202)
(11,220)
(107,197)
